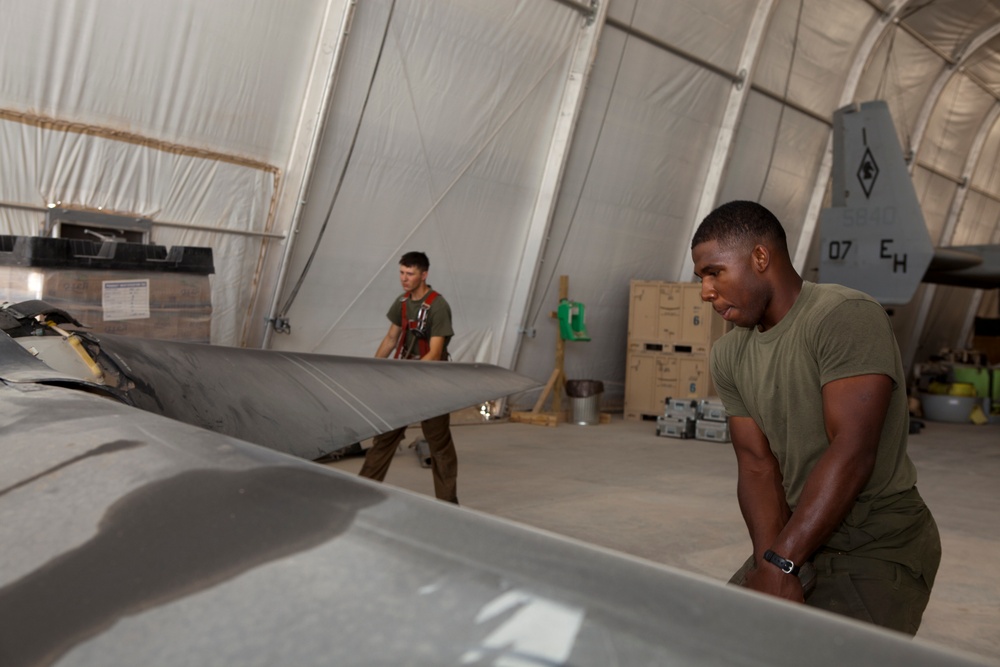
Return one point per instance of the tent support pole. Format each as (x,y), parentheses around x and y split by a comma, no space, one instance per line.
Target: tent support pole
(585,51)
(730,121)
(258,324)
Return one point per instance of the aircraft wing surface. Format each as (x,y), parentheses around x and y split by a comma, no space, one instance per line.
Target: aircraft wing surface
(301,404)
(307,405)
(983,274)
(133,539)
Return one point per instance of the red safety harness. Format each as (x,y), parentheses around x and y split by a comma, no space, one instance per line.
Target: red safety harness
(423,342)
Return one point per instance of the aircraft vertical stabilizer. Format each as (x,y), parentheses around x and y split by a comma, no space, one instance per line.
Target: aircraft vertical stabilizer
(874,237)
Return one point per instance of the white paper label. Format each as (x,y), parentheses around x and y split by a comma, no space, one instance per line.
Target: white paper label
(125,299)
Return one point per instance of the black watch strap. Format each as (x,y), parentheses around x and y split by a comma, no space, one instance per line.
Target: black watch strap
(783,564)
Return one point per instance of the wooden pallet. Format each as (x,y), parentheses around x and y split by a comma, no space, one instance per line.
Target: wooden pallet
(549,418)
(538,418)
(638,415)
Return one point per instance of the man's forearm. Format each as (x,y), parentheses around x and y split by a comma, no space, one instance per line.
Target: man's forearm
(766,512)
(385,348)
(435,349)
(762,502)
(759,487)
(828,496)
(762,498)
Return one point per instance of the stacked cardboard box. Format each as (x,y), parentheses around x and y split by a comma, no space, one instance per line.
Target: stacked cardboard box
(670,334)
(159,295)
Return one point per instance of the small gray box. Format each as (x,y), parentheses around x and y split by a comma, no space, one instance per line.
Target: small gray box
(681,407)
(712,409)
(706,429)
(675,427)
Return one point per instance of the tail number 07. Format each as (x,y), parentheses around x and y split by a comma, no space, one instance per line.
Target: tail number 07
(837,250)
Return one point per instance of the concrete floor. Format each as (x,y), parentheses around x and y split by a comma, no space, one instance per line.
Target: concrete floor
(672,501)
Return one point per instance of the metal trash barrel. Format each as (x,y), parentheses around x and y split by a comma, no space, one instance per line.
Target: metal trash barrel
(585,400)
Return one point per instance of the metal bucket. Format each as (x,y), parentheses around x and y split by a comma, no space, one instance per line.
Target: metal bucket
(585,401)
(586,411)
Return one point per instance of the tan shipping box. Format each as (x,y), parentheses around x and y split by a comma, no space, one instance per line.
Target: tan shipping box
(168,305)
(63,286)
(671,314)
(653,377)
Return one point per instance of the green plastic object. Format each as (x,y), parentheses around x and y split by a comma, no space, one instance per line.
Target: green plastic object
(571,324)
(977,376)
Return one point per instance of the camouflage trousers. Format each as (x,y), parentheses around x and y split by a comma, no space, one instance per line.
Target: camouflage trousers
(866,589)
(444,458)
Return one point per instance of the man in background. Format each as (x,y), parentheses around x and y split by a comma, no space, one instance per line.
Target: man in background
(420,328)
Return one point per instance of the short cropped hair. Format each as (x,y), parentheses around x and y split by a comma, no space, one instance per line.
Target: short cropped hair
(740,223)
(415,260)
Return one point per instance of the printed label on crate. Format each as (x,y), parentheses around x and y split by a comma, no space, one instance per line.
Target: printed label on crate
(125,299)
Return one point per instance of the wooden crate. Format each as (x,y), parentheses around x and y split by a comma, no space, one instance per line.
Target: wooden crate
(191,325)
(672,314)
(651,377)
(673,348)
(644,320)
(69,287)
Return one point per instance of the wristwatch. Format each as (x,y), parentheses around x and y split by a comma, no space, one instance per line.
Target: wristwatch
(783,564)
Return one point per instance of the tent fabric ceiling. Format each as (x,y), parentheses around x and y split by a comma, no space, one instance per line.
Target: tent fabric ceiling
(441,127)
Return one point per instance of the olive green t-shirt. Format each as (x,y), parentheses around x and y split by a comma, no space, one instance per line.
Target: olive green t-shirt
(438,322)
(776,378)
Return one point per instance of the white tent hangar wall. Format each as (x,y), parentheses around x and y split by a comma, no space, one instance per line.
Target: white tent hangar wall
(311,143)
